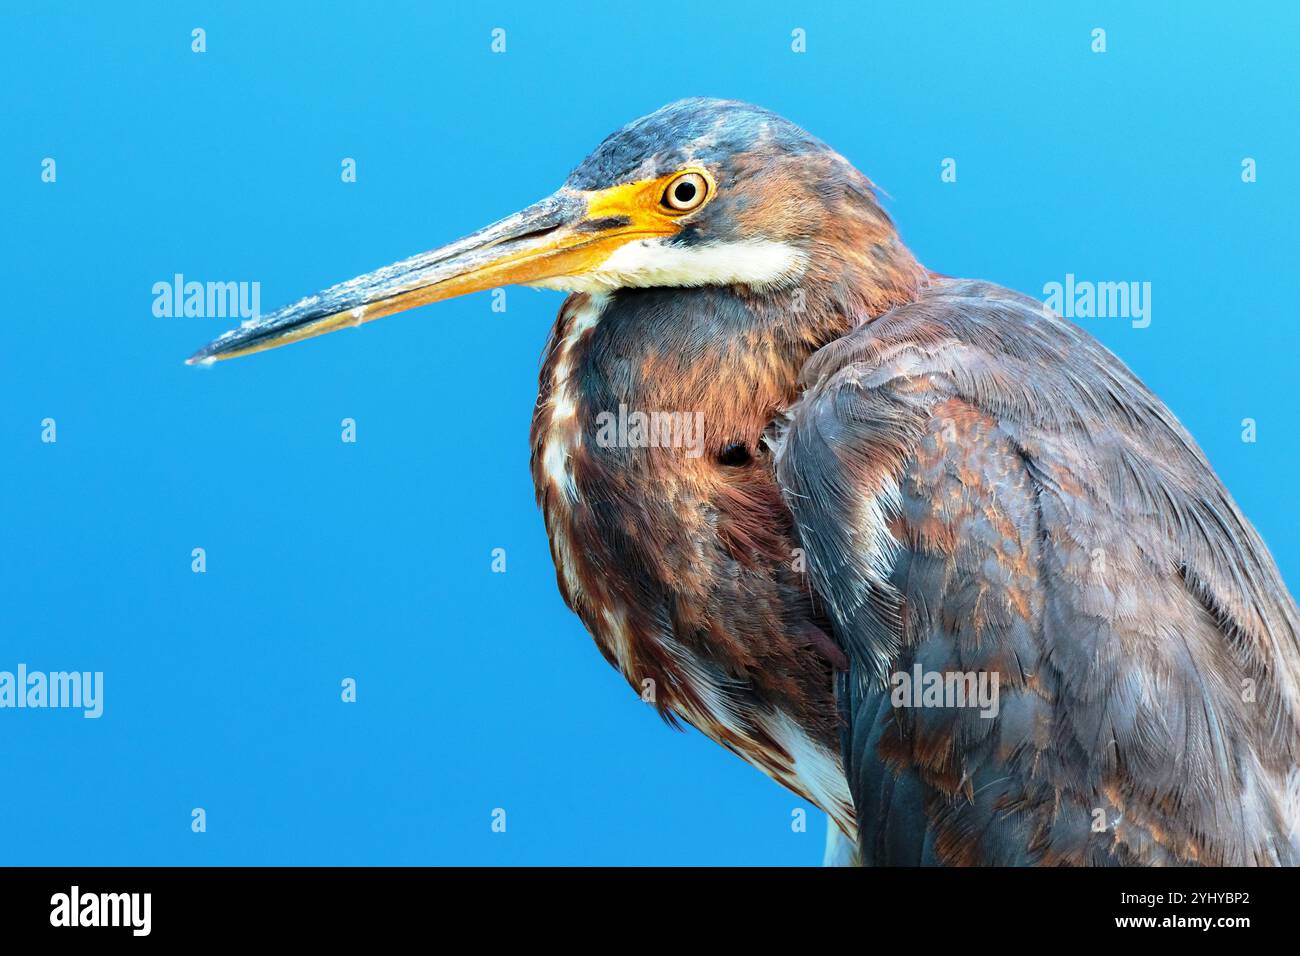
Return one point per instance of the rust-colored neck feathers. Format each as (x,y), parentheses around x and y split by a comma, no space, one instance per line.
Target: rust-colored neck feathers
(673,544)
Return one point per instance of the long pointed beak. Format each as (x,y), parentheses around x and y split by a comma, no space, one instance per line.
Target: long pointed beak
(565,234)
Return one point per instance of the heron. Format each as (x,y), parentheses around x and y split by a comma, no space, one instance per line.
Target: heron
(899,476)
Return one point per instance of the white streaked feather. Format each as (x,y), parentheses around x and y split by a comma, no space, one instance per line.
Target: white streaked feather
(557,447)
(818,770)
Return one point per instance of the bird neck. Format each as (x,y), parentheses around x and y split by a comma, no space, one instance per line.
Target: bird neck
(837,293)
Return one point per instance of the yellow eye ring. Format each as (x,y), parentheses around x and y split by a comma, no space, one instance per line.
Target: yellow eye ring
(685,193)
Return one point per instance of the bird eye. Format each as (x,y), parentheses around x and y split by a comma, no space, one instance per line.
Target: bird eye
(735,455)
(686,192)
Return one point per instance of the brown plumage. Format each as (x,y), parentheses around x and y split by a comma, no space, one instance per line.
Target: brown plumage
(1053,524)
(883,473)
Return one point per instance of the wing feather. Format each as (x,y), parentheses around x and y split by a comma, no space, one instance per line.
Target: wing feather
(982,489)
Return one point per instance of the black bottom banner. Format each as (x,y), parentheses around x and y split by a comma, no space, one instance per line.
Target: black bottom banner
(333,905)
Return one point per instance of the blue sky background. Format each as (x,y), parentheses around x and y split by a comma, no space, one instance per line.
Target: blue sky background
(328,560)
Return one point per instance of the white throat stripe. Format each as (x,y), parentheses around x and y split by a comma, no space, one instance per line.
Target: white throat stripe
(650,262)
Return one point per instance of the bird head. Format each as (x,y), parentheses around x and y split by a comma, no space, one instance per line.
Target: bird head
(702,192)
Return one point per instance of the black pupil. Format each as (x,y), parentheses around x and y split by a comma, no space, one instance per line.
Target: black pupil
(734,454)
(684,192)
